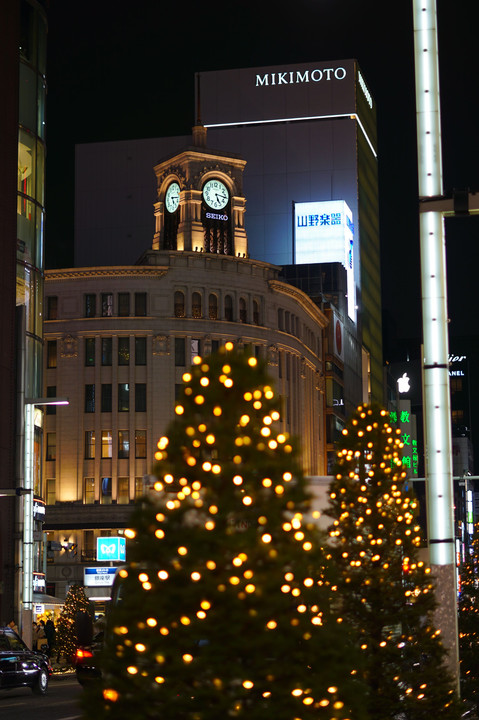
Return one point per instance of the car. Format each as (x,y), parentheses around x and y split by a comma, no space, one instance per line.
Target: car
(90,643)
(20,666)
(86,666)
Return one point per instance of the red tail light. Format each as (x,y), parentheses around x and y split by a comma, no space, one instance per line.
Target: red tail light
(82,653)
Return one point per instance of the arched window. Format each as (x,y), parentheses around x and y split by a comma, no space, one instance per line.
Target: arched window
(213,307)
(243,315)
(228,307)
(179,304)
(256,312)
(196,305)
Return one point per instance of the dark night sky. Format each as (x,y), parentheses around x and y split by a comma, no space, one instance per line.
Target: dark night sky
(120,70)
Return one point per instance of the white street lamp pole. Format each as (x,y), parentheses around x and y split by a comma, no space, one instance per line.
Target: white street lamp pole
(437,414)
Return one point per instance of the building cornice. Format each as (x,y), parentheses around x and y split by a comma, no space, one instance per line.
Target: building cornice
(304,300)
(106,272)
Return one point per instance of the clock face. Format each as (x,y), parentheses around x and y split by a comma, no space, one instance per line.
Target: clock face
(216,194)
(172,197)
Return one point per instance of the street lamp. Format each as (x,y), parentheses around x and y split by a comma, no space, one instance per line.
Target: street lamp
(27,491)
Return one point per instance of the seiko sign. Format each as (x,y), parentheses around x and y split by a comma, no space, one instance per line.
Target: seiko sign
(296,77)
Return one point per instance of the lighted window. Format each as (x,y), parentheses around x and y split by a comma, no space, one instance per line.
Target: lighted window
(106,486)
(123,492)
(139,491)
(123,444)
(106,444)
(51,491)
(89,490)
(89,444)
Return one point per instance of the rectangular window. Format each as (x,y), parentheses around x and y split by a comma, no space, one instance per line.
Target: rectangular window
(140,397)
(51,491)
(180,351)
(106,443)
(140,304)
(90,306)
(105,496)
(140,443)
(123,351)
(89,490)
(123,444)
(123,493)
(51,446)
(123,397)
(51,353)
(106,350)
(106,304)
(140,351)
(89,548)
(123,304)
(106,394)
(89,398)
(195,348)
(52,307)
(89,352)
(139,492)
(89,444)
(51,393)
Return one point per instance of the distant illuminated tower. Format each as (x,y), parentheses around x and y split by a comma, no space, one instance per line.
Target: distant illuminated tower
(200,203)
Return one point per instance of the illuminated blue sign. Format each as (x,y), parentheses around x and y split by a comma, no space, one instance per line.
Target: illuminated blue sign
(324,233)
(111,548)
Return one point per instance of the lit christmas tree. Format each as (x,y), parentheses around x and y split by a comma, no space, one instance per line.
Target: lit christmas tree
(386,590)
(66,637)
(469,625)
(225,608)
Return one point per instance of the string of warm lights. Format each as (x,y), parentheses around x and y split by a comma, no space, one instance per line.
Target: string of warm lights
(226,601)
(386,590)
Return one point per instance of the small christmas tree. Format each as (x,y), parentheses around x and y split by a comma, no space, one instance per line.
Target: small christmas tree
(225,604)
(66,637)
(469,624)
(386,590)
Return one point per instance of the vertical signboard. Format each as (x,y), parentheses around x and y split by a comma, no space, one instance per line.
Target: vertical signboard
(324,233)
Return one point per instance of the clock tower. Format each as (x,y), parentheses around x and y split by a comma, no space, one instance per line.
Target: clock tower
(200,205)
